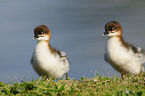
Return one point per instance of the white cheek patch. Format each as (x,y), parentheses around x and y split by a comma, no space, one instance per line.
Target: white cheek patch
(113,30)
(43,38)
(113,34)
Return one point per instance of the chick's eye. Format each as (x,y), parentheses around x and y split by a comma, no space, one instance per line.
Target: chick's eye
(113,30)
(42,33)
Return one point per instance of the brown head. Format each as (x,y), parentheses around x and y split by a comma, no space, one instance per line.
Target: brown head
(113,28)
(42,33)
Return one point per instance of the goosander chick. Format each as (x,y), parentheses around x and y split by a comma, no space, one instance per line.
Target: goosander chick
(46,60)
(124,57)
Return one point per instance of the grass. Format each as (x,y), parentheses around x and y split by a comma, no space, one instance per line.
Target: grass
(132,85)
